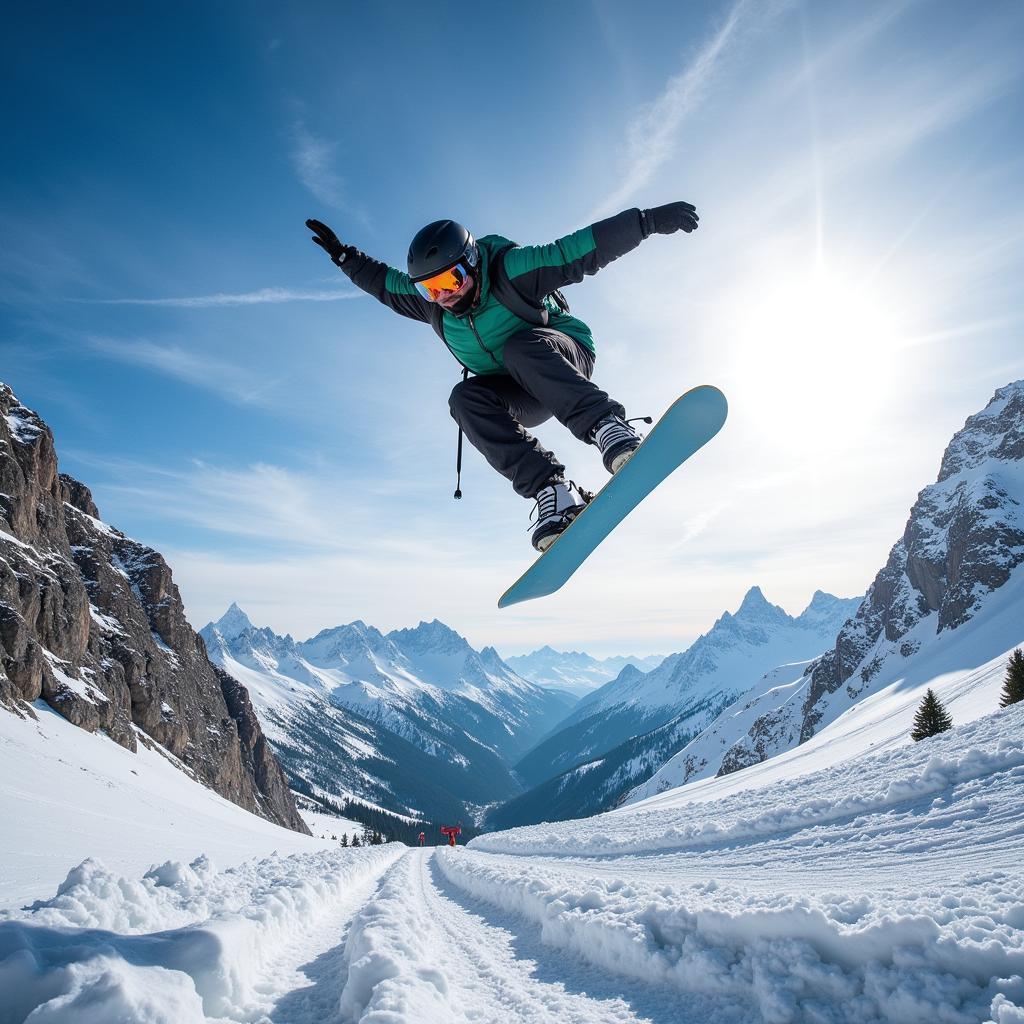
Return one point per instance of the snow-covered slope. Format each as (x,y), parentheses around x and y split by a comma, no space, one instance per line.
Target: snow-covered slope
(416,721)
(702,757)
(943,601)
(575,671)
(67,794)
(888,891)
(672,703)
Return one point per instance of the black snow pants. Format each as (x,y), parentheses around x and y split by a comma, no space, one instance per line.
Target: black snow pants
(548,374)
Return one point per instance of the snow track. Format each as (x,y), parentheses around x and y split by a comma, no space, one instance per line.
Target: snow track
(424,951)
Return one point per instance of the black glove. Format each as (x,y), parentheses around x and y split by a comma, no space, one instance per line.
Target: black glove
(329,242)
(666,220)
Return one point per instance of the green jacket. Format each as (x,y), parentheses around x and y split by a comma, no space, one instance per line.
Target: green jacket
(477,339)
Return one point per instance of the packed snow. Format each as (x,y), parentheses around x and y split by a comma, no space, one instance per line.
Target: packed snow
(889,888)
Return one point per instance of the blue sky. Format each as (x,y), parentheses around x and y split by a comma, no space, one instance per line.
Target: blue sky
(285,442)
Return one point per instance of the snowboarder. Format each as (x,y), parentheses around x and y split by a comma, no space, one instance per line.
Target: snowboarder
(498,308)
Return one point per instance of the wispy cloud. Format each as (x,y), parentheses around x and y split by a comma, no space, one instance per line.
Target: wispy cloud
(275,506)
(313,159)
(653,135)
(233,382)
(263,295)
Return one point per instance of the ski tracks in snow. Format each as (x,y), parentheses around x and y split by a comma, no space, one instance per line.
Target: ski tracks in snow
(422,950)
(303,983)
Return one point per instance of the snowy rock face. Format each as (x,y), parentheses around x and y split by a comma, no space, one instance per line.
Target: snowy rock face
(92,623)
(964,538)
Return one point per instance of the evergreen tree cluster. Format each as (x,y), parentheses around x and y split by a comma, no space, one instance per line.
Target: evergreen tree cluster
(365,838)
(1013,685)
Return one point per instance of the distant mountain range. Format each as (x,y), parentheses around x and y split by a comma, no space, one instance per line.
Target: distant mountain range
(616,737)
(575,671)
(415,720)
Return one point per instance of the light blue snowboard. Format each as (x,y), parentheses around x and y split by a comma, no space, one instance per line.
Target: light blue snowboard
(690,422)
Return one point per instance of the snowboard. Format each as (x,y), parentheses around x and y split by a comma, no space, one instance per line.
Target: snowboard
(688,424)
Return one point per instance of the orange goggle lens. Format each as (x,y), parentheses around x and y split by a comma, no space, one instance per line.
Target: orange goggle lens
(450,280)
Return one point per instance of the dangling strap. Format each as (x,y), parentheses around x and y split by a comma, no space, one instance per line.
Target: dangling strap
(458,457)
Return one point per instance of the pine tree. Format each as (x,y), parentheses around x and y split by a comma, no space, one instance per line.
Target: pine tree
(931,718)
(1013,686)
(344,839)
(355,839)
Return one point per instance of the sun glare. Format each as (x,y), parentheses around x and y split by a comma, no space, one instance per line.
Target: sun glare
(815,359)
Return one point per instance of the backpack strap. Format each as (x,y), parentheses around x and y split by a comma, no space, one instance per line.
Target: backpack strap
(508,295)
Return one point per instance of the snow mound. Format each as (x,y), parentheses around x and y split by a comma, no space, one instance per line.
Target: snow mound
(179,945)
(922,959)
(393,972)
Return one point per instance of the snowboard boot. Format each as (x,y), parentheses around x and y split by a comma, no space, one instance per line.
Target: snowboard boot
(617,441)
(559,502)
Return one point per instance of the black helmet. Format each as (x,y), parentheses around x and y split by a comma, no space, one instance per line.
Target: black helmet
(439,246)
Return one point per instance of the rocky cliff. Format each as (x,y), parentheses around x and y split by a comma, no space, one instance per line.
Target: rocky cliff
(963,539)
(92,623)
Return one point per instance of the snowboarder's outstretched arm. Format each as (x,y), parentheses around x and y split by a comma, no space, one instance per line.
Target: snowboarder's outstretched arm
(537,270)
(384,283)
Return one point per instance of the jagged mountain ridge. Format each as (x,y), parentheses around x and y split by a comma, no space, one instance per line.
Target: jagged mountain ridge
(92,624)
(372,694)
(688,689)
(963,539)
(642,719)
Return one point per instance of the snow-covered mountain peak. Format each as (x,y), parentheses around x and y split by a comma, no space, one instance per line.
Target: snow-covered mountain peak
(577,672)
(342,644)
(432,637)
(825,607)
(739,646)
(629,674)
(233,623)
(997,432)
(490,658)
(756,607)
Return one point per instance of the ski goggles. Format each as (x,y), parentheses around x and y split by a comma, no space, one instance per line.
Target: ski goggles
(450,280)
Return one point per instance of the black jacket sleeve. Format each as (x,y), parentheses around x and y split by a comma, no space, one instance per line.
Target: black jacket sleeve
(387,285)
(537,270)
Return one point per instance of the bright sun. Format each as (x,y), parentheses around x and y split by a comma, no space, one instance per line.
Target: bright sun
(815,359)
